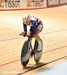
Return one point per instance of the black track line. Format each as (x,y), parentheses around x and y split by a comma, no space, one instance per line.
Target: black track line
(41,65)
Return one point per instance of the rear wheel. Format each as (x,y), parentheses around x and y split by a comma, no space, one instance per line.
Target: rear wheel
(38,47)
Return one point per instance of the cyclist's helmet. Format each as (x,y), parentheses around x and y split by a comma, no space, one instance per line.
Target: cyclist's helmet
(27,19)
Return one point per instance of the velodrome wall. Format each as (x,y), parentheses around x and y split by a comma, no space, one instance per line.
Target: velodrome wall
(29,4)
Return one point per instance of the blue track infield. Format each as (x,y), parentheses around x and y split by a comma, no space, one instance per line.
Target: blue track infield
(60,69)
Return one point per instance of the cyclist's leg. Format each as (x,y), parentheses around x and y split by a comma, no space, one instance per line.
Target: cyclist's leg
(35,30)
(38,30)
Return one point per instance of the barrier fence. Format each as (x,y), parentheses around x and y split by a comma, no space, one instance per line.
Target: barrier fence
(30,3)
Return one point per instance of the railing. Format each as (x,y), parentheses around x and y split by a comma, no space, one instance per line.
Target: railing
(22,4)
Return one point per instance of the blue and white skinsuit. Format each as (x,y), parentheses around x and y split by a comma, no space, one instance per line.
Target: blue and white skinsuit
(35,24)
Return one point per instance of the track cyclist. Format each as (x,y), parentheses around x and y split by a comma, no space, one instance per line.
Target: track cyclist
(35,24)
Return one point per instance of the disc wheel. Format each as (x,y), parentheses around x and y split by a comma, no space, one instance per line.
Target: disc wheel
(38,47)
(25,54)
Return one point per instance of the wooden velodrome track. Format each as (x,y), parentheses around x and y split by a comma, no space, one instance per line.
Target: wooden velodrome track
(54,36)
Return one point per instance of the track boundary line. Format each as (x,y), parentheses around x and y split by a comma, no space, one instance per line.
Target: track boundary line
(51,50)
(41,65)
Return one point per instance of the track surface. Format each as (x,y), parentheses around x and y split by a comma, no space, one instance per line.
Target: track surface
(54,36)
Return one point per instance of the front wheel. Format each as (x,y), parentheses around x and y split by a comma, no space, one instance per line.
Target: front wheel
(25,53)
(38,47)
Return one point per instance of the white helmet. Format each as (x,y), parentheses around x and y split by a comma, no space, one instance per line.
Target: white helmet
(27,19)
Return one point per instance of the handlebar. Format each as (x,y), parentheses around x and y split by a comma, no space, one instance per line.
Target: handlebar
(26,36)
(23,35)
